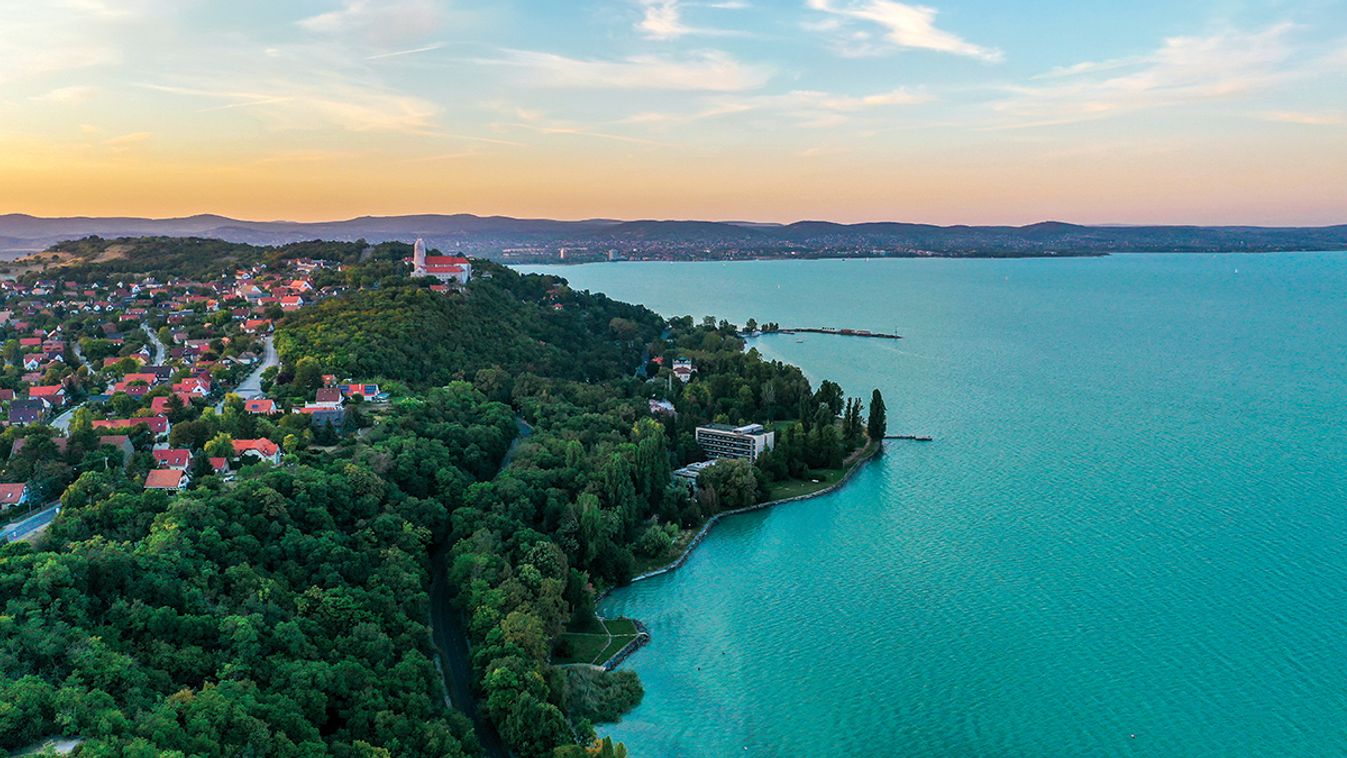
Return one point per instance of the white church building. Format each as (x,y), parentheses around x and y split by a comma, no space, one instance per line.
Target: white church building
(446,268)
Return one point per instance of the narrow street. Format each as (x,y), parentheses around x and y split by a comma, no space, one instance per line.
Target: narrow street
(251,386)
(160,352)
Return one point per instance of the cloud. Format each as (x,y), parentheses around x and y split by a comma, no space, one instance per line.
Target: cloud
(810,108)
(400,53)
(378,22)
(67,95)
(127,141)
(1303,118)
(708,71)
(903,25)
(1183,70)
(310,105)
(663,20)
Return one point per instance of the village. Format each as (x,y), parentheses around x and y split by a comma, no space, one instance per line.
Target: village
(166,379)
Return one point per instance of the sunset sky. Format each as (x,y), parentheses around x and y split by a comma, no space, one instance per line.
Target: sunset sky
(960,111)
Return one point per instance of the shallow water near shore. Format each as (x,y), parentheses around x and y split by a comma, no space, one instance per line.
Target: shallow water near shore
(1126,539)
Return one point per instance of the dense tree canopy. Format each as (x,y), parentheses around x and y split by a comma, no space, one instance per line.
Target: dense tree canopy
(286,613)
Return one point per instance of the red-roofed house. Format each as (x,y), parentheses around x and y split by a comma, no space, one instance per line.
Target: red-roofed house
(52,393)
(134,389)
(263,449)
(193,385)
(122,443)
(13,495)
(328,397)
(175,458)
(166,479)
(157,424)
(159,405)
(261,406)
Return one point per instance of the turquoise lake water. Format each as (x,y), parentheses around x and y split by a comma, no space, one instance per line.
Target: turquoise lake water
(1129,537)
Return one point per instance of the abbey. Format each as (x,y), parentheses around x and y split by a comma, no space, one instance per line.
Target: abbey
(446,268)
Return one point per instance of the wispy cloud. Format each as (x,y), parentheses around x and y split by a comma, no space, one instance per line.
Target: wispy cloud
(663,19)
(382,23)
(312,105)
(67,95)
(400,53)
(127,141)
(1183,70)
(809,108)
(1304,118)
(708,71)
(902,25)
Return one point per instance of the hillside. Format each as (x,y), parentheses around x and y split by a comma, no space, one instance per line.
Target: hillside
(508,321)
(492,236)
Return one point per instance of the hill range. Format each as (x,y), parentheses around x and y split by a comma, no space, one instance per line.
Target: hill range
(503,237)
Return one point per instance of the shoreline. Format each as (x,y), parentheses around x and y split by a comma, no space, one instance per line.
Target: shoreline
(867,455)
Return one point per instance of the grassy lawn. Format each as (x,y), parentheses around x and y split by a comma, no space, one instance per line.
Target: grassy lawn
(594,642)
(818,479)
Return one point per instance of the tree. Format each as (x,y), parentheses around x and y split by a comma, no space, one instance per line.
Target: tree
(877,425)
(853,426)
(220,446)
(830,394)
(731,483)
(308,375)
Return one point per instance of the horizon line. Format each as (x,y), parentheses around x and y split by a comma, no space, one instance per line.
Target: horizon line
(613,220)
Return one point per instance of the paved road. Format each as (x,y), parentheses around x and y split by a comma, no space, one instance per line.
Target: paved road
(160,352)
(20,529)
(62,422)
(251,386)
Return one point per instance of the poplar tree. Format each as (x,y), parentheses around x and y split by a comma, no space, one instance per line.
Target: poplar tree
(877,425)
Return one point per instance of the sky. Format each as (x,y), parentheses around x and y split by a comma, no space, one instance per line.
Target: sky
(938,111)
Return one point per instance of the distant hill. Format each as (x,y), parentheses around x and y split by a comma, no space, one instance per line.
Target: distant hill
(490,236)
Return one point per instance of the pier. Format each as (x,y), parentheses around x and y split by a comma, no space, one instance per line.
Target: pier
(910,437)
(839,332)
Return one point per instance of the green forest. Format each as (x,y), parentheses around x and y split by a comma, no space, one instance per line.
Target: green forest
(289,612)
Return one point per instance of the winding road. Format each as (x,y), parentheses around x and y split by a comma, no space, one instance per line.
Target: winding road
(451,642)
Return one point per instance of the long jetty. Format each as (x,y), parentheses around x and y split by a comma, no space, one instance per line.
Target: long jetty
(839,332)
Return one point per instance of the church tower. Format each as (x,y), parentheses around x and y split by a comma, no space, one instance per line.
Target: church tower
(419,258)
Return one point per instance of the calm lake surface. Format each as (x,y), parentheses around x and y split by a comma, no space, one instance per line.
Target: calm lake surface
(1129,537)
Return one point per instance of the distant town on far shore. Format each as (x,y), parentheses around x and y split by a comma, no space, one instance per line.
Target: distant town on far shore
(513,240)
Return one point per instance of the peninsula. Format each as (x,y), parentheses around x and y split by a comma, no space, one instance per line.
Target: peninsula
(333,496)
